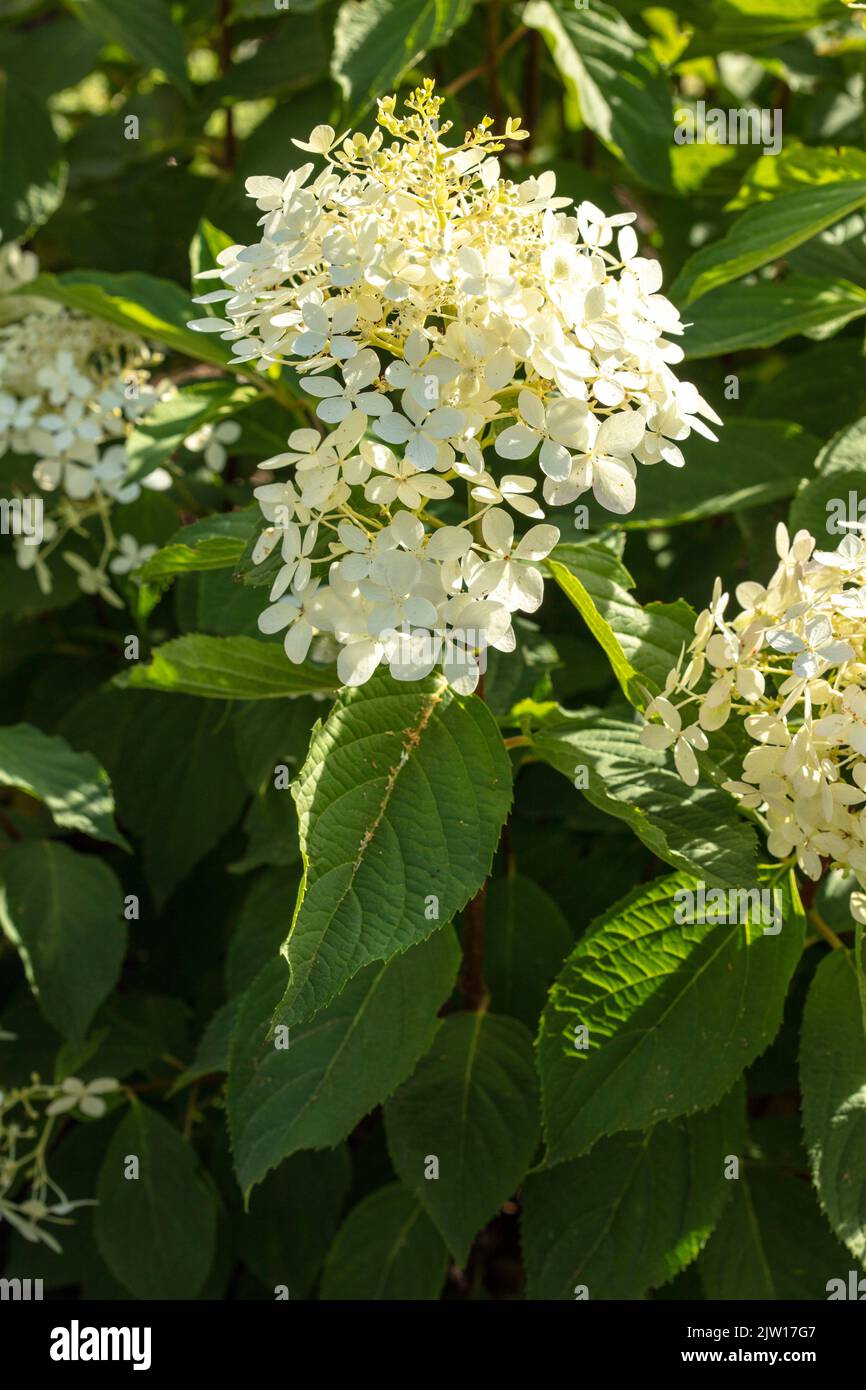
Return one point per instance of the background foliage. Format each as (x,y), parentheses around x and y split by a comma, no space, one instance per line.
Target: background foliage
(304,1168)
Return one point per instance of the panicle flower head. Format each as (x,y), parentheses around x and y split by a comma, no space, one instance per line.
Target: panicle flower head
(435,309)
(791,665)
(71,390)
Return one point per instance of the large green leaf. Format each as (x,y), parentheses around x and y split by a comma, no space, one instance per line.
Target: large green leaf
(311,1094)
(285,1235)
(765,233)
(295,56)
(63,913)
(771,1242)
(260,928)
(833,1082)
(613,83)
(386,1249)
(73,786)
(400,804)
(228,668)
(50,56)
(839,252)
(790,394)
(673,1012)
(174,769)
(698,829)
(146,32)
(641,644)
(827,497)
(34,171)
(472,1105)
(742,316)
(526,939)
(747,26)
(375,41)
(142,304)
(755,462)
(634,1212)
(156,1231)
(795,166)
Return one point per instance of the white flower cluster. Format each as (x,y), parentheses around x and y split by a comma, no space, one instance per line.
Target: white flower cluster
(792,665)
(443,309)
(71,388)
(30,1199)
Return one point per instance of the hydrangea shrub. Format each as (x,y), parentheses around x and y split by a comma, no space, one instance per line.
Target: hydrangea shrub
(433,656)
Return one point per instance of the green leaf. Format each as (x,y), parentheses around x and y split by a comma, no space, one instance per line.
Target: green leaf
(771,1243)
(375,41)
(698,829)
(213,543)
(146,32)
(641,644)
(34,171)
(260,928)
(175,774)
(212,1052)
(73,786)
(49,57)
(386,1249)
(312,1093)
(791,395)
(63,913)
(797,166)
(673,1012)
(295,56)
(285,1234)
(228,668)
(472,1104)
(749,26)
(834,493)
(154,309)
(271,825)
(158,434)
(742,316)
(613,83)
(157,1231)
(634,1212)
(206,246)
(271,736)
(765,233)
(226,605)
(400,804)
(839,252)
(833,1083)
(138,1030)
(755,462)
(526,939)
